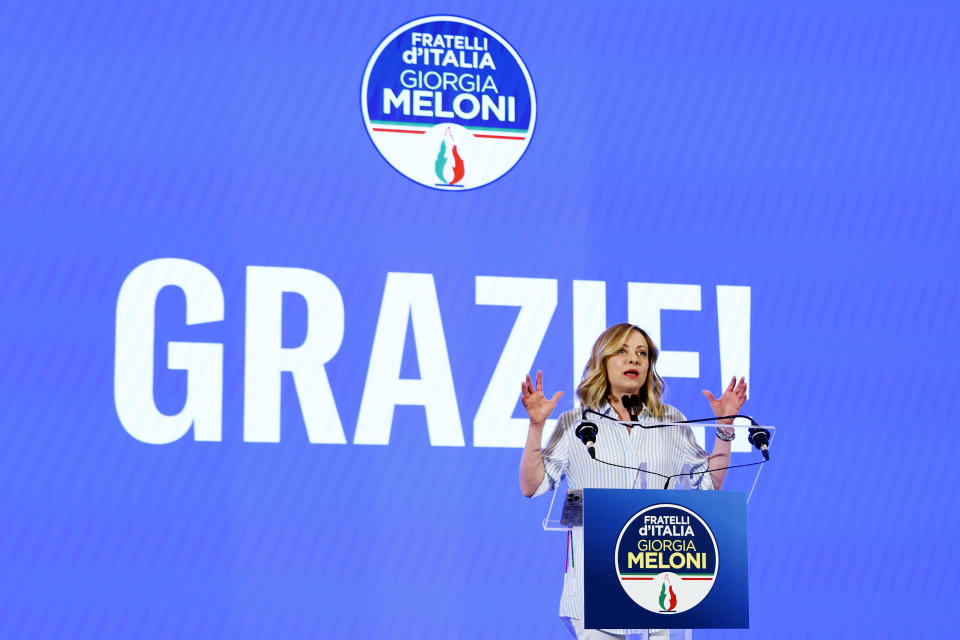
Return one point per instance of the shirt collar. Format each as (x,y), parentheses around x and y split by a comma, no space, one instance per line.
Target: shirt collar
(607,410)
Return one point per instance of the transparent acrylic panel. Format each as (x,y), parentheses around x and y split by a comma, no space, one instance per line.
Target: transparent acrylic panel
(566,505)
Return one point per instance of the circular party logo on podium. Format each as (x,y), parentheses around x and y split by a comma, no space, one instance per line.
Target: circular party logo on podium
(448,103)
(667,559)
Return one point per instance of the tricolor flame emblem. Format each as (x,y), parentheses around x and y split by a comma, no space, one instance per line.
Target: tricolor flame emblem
(664,587)
(448,165)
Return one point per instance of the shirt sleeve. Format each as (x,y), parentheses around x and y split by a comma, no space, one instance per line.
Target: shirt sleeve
(698,459)
(556,454)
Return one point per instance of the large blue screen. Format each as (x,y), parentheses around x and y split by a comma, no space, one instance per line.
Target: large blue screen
(260,380)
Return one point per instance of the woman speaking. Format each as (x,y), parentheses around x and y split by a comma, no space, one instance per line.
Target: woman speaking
(622,363)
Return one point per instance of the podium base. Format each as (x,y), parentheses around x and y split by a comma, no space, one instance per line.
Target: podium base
(576,628)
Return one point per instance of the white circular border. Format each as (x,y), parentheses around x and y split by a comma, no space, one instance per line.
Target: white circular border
(713,538)
(473,23)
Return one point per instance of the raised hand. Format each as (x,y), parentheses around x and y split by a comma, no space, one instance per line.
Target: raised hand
(732,399)
(538,406)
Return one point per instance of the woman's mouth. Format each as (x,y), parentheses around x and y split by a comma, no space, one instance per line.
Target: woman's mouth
(632,373)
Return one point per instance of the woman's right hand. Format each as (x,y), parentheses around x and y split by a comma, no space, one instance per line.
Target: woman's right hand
(537,405)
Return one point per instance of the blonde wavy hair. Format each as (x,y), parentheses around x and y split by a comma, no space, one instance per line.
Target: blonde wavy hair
(594,387)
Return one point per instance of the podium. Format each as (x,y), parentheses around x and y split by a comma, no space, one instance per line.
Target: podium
(657,558)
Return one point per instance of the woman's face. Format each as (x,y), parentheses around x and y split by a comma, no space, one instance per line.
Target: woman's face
(627,368)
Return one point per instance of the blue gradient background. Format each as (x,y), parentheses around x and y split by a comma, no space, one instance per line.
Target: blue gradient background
(808,150)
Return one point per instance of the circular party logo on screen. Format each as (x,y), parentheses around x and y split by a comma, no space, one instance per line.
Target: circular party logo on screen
(667,559)
(448,103)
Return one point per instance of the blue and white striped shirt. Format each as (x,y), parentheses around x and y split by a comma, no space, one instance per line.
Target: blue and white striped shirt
(666,451)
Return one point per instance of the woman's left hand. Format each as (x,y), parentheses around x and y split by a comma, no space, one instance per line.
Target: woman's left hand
(731,401)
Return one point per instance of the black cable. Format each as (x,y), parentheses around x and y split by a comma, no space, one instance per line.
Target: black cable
(732,466)
(583,416)
(613,464)
(678,475)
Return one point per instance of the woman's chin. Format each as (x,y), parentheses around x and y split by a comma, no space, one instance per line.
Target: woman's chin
(627,388)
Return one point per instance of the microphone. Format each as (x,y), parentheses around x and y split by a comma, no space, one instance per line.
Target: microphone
(632,405)
(760,438)
(587,432)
